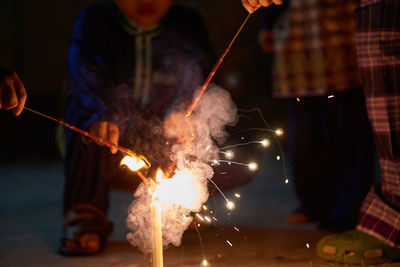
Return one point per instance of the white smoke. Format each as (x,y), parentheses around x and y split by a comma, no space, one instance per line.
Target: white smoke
(187,190)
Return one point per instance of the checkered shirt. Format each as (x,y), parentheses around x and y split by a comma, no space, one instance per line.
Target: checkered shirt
(315,51)
(378,48)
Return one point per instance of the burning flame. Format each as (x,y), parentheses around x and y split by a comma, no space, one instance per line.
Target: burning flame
(181,189)
(135,163)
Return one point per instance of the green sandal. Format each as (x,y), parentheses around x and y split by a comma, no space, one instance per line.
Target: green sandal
(356,247)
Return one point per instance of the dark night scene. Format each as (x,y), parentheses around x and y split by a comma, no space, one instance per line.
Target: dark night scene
(200,133)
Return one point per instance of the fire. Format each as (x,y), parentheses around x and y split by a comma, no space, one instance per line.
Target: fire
(159,175)
(181,189)
(135,163)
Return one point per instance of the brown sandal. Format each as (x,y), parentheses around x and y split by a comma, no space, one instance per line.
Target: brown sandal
(85,231)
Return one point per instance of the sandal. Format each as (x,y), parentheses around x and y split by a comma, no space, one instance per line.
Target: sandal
(85,231)
(356,247)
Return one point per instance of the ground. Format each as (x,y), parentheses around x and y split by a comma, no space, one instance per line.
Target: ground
(31,219)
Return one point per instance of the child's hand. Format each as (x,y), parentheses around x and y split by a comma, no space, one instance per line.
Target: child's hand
(178,126)
(253,5)
(106,130)
(12,91)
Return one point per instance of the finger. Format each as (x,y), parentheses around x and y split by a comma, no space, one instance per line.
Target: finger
(266,2)
(9,96)
(248,6)
(278,2)
(113,136)
(21,95)
(102,130)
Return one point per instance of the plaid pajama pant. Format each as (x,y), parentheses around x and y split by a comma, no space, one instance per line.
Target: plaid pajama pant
(378,48)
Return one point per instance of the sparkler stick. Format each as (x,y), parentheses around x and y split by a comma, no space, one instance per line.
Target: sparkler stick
(98,139)
(214,69)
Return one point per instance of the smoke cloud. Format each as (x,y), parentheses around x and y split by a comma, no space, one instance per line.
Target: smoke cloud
(194,150)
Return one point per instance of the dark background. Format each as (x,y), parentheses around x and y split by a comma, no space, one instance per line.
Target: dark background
(34,41)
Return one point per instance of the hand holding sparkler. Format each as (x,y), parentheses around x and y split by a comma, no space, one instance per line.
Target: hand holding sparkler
(107,131)
(253,5)
(12,91)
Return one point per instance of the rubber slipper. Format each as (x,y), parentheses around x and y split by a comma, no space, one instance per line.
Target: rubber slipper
(356,247)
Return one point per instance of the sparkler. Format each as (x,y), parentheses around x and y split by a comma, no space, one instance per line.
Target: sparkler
(214,69)
(100,140)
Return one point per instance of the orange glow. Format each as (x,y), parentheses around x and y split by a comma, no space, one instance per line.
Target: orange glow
(135,163)
(159,175)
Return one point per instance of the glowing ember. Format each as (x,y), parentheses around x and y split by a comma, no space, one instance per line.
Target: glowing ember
(230,205)
(229,154)
(279,132)
(133,163)
(252,166)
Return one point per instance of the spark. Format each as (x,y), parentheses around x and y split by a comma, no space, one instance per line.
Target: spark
(278,157)
(230,244)
(237,229)
(298,99)
(286,181)
(208,147)
(265,143)
(230,205)
(279,132)
(252,166)
(307,245)
(207,219)
(229,154)
(204,262)
(199,216)
(205,207)
(331,96)
(215,219)
(237,195)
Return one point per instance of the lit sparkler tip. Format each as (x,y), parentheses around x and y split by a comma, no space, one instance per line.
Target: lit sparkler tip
(134,163)
(229,154)
(252,166)
(204,262)
(279,132)
(265,142)
(230,205)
